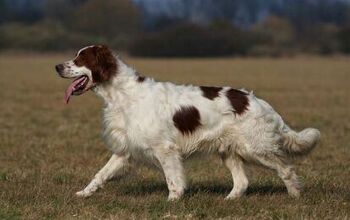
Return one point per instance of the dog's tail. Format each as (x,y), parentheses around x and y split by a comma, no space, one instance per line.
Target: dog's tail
(301,143)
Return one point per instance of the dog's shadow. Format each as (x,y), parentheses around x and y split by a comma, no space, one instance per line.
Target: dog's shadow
(224,189)
(148,187)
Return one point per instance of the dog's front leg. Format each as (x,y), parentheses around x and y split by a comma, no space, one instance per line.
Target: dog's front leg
(171,164)
(113,167)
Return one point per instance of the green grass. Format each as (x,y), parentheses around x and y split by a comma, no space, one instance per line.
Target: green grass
(48,150)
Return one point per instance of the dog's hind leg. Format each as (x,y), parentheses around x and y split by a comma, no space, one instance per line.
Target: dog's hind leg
(171,163)
(240,181)
(113,167)
(285,171)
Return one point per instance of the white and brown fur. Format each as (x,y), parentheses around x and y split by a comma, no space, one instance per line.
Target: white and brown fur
(164,123)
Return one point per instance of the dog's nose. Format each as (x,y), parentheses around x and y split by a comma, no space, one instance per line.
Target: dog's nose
(59,68)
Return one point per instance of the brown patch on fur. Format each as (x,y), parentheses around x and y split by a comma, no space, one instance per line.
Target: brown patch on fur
(100,60)
(140,78)
(210,92)
(187,119)
(238,99)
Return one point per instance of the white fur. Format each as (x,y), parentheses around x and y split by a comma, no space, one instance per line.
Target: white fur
(138,125)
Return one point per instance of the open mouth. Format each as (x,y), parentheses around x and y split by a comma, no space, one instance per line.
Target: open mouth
(77,87)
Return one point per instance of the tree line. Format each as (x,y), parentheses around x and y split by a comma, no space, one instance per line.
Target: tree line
(58,25)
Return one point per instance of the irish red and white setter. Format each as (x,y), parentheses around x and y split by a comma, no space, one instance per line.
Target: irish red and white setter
(164,123)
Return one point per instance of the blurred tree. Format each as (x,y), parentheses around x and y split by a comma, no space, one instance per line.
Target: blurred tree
(164,22)
(2,10)
(276,31)
(108,18)
(62,10)
(275,37)
(24,11)
(48,35)
(320,38)
(347,17)
(344,40)
(232,39)
(188,40)
(305,13)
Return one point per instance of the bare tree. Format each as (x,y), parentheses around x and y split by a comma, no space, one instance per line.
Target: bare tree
(108,18)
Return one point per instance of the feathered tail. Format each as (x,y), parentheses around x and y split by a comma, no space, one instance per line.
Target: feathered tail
(301,143)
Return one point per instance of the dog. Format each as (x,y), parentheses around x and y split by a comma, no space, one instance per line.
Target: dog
(164,123)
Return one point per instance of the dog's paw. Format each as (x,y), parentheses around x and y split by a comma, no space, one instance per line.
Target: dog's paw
(84,194)
(295,193)
(174,196)
(233,196)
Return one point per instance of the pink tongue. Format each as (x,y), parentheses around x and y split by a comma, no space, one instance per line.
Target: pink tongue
(71,88)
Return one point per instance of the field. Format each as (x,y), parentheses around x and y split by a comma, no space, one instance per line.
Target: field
(49,150)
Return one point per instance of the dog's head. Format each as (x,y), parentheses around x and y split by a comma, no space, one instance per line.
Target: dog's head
(92,66)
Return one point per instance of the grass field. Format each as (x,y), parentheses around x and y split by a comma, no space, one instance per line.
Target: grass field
(49,150)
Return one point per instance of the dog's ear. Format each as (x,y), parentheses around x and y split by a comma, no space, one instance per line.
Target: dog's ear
(106,64)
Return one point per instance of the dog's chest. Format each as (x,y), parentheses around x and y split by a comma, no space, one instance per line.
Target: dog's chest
(121,133)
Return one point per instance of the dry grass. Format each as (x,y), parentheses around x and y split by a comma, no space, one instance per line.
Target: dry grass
(48,150)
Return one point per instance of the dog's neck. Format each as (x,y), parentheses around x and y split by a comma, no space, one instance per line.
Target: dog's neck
(120,87)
